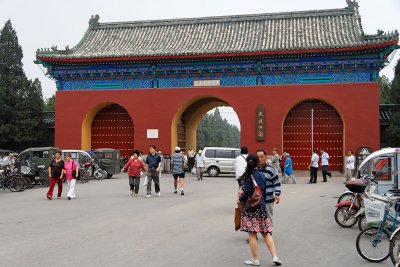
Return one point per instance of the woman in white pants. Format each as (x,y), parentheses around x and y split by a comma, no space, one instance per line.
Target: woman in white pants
(69,166)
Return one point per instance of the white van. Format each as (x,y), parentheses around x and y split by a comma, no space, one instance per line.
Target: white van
(220,160)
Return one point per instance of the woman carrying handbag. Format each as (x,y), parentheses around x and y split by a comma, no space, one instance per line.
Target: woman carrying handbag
(255,218)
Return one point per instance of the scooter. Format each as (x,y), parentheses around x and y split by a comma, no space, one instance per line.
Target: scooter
(95,171)
(349,211)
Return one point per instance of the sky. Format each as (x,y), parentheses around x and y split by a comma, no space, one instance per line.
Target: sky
(44,23)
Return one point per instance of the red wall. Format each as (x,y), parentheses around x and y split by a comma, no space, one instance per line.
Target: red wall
(358,104)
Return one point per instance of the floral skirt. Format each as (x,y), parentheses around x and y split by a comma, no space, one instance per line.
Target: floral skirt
(256,220)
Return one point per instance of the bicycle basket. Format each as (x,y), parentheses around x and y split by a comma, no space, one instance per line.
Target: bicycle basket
(374,210)
(25,170)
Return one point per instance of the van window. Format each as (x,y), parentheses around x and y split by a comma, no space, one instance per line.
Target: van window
(83,158)
(210,153)
(40,154)
(228,154)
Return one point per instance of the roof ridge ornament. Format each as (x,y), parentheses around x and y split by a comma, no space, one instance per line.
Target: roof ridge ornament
(352,5)
(94,21)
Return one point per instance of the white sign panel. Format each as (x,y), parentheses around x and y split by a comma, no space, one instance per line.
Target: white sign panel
(152,133)
(207,83)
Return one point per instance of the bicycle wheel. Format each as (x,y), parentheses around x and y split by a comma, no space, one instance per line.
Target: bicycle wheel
(16,183)
(394,248)
(30,181)
(84,176)
(373,245)
(348,196)
(362,222)
(98,175)
(44,179)
(344,216)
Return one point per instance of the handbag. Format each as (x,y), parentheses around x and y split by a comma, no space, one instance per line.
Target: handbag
(255,200)
(238,216)
(74,171)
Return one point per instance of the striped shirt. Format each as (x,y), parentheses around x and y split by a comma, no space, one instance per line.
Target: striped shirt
(272,182)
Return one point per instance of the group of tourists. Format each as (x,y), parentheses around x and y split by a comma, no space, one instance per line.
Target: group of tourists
(151,166)
(314,164)
(255,174)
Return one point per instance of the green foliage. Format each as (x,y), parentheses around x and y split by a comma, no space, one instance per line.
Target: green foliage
(384,90)
(215,131)
(21,100)
(50,103)
(394,126)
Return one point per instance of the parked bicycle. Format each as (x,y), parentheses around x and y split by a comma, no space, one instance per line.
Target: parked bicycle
(373,244)
(14,182)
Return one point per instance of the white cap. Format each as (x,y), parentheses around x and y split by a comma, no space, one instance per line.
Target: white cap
(177,148)
(200,151)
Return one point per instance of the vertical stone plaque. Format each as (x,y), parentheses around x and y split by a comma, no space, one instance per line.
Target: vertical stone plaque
(260,123)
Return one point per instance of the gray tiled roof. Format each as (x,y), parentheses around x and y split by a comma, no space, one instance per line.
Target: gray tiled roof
(277,32)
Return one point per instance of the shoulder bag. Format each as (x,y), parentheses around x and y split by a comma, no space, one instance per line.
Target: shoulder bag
(255,200)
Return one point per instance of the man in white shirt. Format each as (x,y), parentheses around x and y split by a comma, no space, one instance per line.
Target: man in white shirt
(350,165)
(199,164)
(240,163)
(325,165)
(313,167)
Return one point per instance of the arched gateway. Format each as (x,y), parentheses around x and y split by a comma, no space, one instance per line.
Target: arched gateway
(113,127)
(160,71)
(313,124)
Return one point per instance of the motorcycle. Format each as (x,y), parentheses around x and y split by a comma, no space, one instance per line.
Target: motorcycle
(95,171)
(350,209)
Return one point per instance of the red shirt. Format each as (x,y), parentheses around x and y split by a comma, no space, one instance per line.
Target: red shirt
(134,167)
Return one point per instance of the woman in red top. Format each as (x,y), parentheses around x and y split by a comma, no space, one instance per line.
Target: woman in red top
(134,166)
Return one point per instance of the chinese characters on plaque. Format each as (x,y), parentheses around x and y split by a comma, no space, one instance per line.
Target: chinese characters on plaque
(260,123)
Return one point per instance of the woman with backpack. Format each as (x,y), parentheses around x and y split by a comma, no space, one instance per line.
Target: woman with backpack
(255,218)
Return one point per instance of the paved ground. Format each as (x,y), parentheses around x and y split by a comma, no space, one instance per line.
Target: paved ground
(106,226)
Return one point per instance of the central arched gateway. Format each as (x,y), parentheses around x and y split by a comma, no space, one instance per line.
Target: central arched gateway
(187,119)
(313,124)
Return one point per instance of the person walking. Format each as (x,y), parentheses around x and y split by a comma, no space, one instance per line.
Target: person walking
(199,164)
(289,168)
(313,167)
(240,164)
(350,165)
(56,171)
(153,164)
(275,161)
(282,166)
(134,166)
(70,165)
(178,162)
(272,182)
(325,165)
(256,220)
(191,154)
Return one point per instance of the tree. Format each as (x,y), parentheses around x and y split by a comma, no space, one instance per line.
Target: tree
(394,126)
(384,90)
(50,103)
(21,101)
(215,131)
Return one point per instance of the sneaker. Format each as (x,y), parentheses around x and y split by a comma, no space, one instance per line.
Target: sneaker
(252,262)
(159,194)
(182,193)
(59,197)
(135,195)
(49,197)
(69,198)
(176,192)
(276,260)
(148,195)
